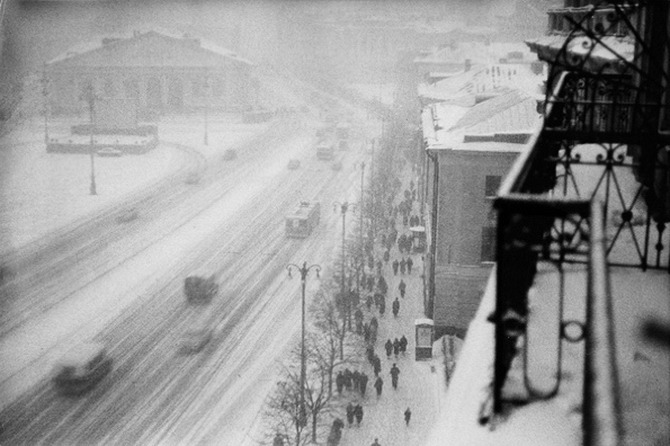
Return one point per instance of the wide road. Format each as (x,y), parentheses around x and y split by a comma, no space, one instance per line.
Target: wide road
(123,286)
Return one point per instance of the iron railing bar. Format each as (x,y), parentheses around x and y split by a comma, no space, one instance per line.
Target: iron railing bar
(602,409)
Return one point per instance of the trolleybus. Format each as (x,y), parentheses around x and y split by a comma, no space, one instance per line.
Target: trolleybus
(303,220)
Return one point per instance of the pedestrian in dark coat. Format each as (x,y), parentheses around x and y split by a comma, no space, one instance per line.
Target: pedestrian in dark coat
(376,443)
(396,307)
(339,381)
(402,266)
(377,366)
(403,344)
(350,413)
(401,242)
(382,285)
(379,383)
(366,332)
(356,378)
(371,283)
(402,287)
(363,383)
(358,413)
(347,379)
(379,266)
(409,265)
(358,316)
(382,307)
(387,256)
(370,354)
(395,371)
(396,347)
(408,415)
(395,267)
(389,348)
(369,301)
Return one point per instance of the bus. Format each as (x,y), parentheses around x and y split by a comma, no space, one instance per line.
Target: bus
(303,220)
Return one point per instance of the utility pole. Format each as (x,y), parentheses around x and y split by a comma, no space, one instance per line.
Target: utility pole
(89,97)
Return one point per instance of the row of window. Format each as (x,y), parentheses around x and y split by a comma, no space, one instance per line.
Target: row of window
(131,87)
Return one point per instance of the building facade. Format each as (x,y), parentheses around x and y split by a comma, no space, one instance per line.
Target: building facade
(155,72)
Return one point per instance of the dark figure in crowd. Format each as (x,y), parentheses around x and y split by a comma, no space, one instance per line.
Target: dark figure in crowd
(395,371)
(395,267)
(350,414)
(402,287)
(402,266)
(379,383)
(396,307)
(335,434)
(382,307)
(339,381)
(389,348)
(278,440)
(358,413)
(370,354)
(379,266)
(408,415)
(363,383)
(396,347)
(409,265)
(377,366)
(401,242)
(387,256)
(366,333)
(347,379)
(403,344)
(382,285)
(356,378)
(358,316)
(371,283)
(369,301)
(376,443)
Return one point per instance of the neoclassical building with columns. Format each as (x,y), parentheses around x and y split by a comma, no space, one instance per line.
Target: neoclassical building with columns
(153,72)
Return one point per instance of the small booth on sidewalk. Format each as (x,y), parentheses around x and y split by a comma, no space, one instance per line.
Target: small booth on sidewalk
(424,332)
(418,234)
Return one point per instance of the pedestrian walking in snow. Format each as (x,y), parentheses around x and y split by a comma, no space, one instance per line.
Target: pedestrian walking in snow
(278,440)
(389,348)
(408,415)
(395,265)
(375,443)
(402,266)
(363,383)
(339,381)
(377,366)
(387,256)
(358,413)
(379,266)
(409,265)
(395,371)
(347,379)
(356,378)
(401,242)
(358,316)
(403,344)
(379,383)
(396,307)
(382,307)
(370,354)
(350,414)
(369,301)
(396,347)
(402,287)
(382,285)
(371,283)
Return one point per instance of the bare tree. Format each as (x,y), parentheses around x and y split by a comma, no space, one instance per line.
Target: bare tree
(284,411)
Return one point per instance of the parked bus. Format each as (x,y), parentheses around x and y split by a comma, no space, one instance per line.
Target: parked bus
(303,220)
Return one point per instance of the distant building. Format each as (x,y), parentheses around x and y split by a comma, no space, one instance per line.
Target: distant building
(156,72)
(471,149)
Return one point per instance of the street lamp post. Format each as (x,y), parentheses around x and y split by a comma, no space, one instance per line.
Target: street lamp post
(206,105)
(89,97)
(344,207)
(303,270)
(45,93)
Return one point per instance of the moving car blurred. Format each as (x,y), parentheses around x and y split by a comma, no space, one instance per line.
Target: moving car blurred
(200,290)
(230,155)
(81,368)
(193,341)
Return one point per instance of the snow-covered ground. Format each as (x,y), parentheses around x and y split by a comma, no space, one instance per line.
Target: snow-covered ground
(41,192)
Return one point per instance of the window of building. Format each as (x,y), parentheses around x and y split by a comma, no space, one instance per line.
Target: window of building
(492,185)
(488,244)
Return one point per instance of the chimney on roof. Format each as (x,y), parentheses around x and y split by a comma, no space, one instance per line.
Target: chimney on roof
(468,65)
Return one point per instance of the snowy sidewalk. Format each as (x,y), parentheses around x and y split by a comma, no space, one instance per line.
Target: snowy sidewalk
(418,382)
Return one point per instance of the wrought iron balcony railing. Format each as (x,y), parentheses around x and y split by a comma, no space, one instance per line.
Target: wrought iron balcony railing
(592,188)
